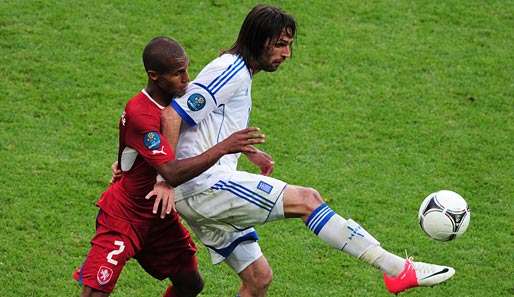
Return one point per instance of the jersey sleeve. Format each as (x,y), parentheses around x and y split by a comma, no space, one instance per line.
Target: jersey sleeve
(209,90)
(144,136)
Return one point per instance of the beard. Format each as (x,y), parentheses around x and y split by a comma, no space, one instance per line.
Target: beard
(266,65)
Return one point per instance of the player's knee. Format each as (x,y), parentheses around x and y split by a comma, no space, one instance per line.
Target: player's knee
(262,280)
(90,292)
(311,199)
(190,289)
(266,278)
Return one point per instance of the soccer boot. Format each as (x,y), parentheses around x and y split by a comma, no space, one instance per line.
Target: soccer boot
(417,274)
(76,275)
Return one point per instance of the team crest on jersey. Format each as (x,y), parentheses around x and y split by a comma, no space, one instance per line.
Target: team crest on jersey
(152,140)
(265,187)
(104,274)
(196,102)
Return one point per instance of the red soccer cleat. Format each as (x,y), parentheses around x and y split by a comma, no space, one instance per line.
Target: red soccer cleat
(76,275)
(417,274)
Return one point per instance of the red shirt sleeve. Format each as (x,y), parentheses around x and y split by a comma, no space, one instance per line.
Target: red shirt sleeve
(143,134)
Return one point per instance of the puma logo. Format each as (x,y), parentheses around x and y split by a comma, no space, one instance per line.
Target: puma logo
(161,151)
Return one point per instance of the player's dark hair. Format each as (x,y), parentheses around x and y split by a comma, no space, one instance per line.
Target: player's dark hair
(263,23)
(157,53)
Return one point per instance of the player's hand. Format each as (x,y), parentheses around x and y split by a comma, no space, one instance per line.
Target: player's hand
(243,141)
(261,160)
(116,172)
(164,197)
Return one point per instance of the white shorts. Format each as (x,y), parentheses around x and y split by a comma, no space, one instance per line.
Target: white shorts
(223,216)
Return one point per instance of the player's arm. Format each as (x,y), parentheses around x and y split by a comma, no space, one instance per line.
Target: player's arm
(162,191)
(177,172)
(262,160)
(170,125)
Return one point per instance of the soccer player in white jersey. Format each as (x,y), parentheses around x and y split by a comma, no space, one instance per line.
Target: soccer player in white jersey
(223,204)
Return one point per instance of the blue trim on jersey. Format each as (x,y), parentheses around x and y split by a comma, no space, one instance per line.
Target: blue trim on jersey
(226,251)
(221,125)
(224,73)
(183,114)
(208,91)
(229,78)
(276,202)
(226,76)
(242,192)
(319,217)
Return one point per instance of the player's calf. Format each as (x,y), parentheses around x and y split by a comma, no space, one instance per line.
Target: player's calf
(256,279)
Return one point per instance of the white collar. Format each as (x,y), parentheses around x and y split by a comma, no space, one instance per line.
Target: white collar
(151,99)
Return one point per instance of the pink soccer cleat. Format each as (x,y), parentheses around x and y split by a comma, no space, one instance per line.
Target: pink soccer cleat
(417,274)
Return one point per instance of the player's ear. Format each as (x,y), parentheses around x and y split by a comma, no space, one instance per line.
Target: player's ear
(153,75)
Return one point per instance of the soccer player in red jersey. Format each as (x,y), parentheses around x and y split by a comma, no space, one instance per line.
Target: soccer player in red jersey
(126,225)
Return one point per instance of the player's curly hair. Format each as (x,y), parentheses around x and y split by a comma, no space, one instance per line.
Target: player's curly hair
(263,23)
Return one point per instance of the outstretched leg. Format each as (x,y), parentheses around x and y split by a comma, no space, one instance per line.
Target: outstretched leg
(350,237)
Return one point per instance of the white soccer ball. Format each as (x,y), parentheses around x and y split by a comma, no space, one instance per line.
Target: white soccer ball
(444,215)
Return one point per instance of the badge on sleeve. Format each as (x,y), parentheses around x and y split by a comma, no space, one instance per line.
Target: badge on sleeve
(152,140)
(265,187)
(196,102)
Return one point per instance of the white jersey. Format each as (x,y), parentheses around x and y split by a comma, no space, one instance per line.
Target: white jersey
(216,104)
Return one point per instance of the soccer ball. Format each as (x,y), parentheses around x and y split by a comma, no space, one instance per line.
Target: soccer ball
(444,215)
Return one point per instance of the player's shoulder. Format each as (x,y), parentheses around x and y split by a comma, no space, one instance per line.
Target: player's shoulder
(140,108)
(135,103)
(226,65)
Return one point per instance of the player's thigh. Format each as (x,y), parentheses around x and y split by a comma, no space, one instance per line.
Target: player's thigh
(168,250)
(300,201)
(244,255)
(240,199)
(108,254)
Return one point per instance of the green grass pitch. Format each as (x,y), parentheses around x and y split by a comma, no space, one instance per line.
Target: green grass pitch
(382,103)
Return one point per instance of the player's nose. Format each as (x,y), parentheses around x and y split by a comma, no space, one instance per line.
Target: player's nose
(185,77)
(286,52)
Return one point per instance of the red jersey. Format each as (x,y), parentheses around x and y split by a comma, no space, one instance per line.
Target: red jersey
(142,147)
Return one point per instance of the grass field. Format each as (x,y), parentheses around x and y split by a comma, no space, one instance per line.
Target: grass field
(382,103)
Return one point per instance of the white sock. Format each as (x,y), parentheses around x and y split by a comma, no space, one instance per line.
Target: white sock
(350,237)
(384,260)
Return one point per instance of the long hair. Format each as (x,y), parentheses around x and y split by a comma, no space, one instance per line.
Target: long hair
(263,23)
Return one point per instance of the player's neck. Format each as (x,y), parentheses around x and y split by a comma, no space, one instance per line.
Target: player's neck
(254,66)
(158,95)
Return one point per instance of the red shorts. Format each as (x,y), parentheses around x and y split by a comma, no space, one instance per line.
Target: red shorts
(162,247)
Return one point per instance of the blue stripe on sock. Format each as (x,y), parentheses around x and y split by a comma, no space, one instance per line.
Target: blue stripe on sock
(313,215)
(324,222)
(319,218)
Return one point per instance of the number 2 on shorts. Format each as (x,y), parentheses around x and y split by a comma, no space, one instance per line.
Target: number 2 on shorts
(116,252)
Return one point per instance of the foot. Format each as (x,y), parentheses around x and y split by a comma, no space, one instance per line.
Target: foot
(416,274)
(76,275)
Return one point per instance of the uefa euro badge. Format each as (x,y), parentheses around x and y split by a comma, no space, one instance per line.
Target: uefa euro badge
(196,102)
(152,140)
